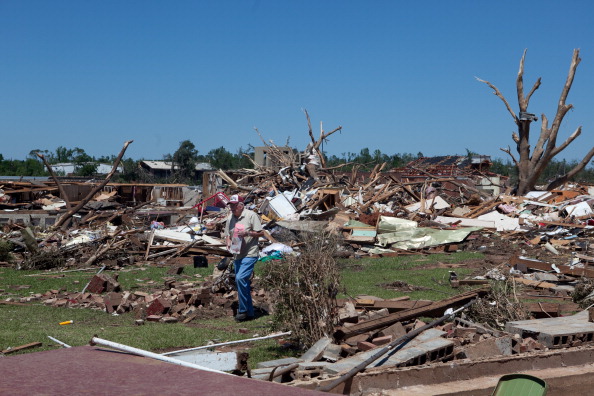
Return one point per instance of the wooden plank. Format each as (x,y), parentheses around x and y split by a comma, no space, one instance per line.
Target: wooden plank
(437,308)
(395,306)
(536,284)
(541,309)
(523,264)
(22,347)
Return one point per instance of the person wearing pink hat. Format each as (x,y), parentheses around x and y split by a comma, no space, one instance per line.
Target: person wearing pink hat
(242,231)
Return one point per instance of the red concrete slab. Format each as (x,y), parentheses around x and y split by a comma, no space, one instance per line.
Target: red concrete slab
(99,371)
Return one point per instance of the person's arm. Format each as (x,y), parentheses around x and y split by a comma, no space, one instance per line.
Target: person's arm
(256,231)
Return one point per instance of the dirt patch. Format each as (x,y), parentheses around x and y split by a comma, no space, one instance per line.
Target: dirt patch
(401,286)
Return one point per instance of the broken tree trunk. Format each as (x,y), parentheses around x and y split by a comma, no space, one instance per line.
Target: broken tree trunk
(71,212)
(63,194)
(531,165)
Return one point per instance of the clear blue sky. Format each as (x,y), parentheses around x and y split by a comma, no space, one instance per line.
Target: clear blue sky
(399,76)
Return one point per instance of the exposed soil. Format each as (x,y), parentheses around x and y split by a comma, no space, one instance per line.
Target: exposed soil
(401,286)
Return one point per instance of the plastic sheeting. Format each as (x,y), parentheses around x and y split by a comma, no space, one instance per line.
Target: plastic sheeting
(404,234)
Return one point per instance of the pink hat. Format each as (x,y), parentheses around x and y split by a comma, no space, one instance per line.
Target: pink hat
(235,199)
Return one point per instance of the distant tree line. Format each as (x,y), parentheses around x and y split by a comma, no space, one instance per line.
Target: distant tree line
(186,157)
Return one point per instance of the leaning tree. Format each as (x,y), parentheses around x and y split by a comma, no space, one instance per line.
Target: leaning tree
(530,165)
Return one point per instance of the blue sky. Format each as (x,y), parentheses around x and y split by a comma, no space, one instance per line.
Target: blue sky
(397,76)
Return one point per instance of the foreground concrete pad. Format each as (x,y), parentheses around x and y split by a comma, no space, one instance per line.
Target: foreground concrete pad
(567,371)
(87,370)
(560,332)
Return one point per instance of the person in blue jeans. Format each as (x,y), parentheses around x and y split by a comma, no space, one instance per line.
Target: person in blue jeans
(242,231)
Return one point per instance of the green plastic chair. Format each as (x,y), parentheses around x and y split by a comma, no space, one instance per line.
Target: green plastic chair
(520,385)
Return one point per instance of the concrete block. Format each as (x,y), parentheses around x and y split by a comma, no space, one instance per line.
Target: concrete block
(315,352)
(332,352)
(489,347)
(278,362)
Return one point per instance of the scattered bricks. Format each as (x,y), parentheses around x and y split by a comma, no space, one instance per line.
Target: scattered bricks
(141,294)
(489,347)
(382,340)
(61,302)
(178,308)
(112,282)
(365,346)
(140,311)
(49,301)
(169,283)
(97,284)
(112,301)
(348,313)
(153,318)
(347,350)
(448,327)
(464,331)
(353,341)
(529,344)
(158,306)
(396,331)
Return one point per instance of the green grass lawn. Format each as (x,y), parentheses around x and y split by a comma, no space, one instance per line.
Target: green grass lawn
(366,276)
(33,322)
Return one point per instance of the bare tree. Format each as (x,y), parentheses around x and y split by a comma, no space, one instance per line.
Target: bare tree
(531,165)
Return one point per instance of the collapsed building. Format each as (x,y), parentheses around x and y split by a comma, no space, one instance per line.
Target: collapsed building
(439,204)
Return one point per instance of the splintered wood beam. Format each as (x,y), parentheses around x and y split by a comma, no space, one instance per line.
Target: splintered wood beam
(22,347)
(436,307)
(71,212)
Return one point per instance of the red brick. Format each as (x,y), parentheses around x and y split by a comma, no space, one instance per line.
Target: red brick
(365,346)
(158,306)
(382,340)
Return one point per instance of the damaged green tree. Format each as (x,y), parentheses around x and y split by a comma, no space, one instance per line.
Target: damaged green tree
(530,165)
(305,288)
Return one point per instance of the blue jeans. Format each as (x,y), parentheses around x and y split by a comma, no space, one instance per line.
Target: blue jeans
(243,272)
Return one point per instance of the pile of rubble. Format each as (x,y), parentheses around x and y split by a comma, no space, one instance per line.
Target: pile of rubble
(442,204)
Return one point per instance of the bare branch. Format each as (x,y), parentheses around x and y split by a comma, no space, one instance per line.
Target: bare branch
(313,139)
(581,165)
(515,137)
(562,108)
(500,95)
(566,143)
(542,139)
(520,84)
(508,150)
(63,194)
(534,88)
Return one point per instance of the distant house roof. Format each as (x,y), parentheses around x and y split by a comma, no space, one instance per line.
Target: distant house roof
(69,167)
(166,165)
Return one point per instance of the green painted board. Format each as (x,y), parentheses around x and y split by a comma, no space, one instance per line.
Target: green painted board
(520,385)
